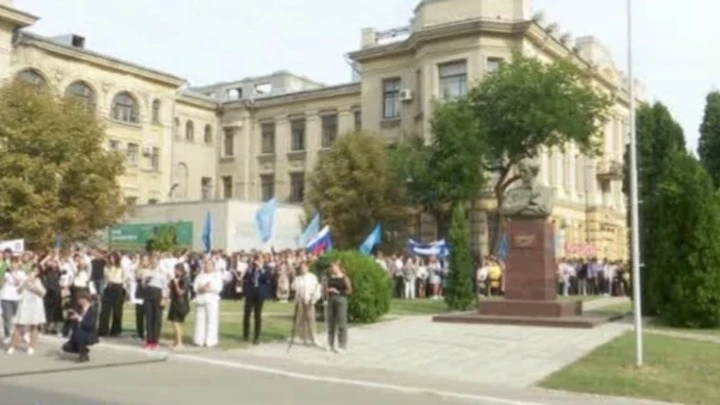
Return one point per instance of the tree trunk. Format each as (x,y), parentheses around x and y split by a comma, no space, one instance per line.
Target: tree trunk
(495,230)
(442,222)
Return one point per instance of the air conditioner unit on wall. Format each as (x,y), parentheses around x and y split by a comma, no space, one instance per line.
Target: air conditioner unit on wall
(406,95)
(147,150)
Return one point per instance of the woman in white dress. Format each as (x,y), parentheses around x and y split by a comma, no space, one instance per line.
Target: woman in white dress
(207,286)
(30,315)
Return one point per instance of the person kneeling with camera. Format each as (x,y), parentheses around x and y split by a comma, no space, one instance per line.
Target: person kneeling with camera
(84,329)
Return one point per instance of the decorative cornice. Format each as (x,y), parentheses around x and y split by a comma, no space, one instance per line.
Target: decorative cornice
(17,18)
(99,60)
(198,100)
(307,95)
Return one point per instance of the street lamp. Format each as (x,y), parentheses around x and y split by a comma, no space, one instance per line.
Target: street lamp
(634,210)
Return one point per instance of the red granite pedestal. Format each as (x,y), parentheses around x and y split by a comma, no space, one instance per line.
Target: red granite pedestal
(530,285)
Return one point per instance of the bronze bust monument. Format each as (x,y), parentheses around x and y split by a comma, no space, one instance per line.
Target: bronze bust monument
(530,200)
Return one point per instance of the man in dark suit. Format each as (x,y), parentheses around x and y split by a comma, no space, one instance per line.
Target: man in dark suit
(84,331)
(256,288)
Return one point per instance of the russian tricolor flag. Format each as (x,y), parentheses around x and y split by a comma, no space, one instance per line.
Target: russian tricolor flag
(321,243)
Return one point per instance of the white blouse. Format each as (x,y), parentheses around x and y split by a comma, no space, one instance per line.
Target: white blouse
(307,288)
(214,281)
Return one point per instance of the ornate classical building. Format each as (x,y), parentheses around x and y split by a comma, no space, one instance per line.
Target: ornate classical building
(257,138)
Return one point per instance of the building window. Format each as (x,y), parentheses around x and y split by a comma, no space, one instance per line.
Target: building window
(189,131)
(453,80)
(32,77)
(82,92)
(208,134)
(391,98)
(357,114)
(206,188)
(155,158)
(125,108)
(133,151)
(267,187)
(329,130)
(297,187)
(156,111)
(268,138)
(494,65)
(229,142)
(113,145)
(227,183)
(176,127)
(297,130)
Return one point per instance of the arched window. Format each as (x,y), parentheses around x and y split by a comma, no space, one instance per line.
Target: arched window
(176,127)
(189,131)
(156,111)
(125,108)
(31,76)
(81,92)
(208,133)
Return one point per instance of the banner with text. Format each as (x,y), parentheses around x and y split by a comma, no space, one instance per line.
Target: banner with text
(140,236)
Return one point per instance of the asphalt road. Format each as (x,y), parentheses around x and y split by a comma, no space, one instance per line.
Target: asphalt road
(166,383)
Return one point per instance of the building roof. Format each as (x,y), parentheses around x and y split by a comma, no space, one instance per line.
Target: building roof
(96,58)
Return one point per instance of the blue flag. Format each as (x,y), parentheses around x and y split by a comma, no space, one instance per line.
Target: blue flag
(311,231)
(58,241)
(207,232)
(371,241)
(503,248)
(264,220)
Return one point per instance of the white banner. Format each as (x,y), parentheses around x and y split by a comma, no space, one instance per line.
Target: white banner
(16,246)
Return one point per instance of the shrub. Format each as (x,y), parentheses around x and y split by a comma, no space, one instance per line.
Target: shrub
(684,246)
(370,298)
(459,290)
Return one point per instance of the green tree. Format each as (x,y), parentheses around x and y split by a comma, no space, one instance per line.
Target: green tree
(459,293)
(709,143)
(164,240)
(449,169)
(528,105)
(658,137)
(55,176)
(684,284)
(353,189)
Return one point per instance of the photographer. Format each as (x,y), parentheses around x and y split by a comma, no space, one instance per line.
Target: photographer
(84,332)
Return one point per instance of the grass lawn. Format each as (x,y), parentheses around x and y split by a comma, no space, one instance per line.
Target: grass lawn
(676,370)
(277,320)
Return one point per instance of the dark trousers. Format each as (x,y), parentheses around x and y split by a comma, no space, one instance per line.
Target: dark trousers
(112,305)
(337,322)
(53,306)
(78,343)
(253,305)
(153,314)
(140,320)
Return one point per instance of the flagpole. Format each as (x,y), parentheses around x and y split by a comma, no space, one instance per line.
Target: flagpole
(634,209)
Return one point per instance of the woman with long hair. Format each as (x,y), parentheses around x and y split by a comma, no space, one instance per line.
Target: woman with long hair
(207,285)
(179,303)
(113,298)
(50,277)
(30,315)
(338,289)
(137,292)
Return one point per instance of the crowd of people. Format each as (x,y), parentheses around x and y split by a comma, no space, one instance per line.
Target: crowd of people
(83,294)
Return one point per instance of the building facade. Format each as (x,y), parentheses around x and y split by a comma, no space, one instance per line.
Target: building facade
(259,137)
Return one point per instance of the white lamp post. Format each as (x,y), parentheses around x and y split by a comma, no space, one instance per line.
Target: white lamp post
(634,210)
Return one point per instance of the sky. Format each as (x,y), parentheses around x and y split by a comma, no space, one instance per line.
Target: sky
(208,41)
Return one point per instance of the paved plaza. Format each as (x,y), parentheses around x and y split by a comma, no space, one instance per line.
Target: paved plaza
(406,361)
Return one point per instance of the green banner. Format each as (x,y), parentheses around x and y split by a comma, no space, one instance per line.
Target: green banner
(139,236)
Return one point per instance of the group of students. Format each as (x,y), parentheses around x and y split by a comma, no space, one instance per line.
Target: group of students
(43,293)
